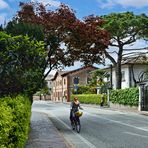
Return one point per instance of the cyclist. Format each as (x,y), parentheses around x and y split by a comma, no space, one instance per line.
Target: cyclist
(74,107)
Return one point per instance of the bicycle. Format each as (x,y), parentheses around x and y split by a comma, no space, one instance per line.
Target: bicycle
(76,125)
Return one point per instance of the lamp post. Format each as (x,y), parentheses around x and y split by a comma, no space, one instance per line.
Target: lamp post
(76,82)
(110,86)
(111,76)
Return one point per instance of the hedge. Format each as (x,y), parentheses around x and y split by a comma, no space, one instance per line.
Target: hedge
(128,96)
(14,121)
(89,98)
(85,90)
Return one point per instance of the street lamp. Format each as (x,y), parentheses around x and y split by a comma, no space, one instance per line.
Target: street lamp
(76,82)
(111,76)
(111,85)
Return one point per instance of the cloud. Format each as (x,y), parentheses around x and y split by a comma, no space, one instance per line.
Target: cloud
(3,5)
(123,3)
(53,3)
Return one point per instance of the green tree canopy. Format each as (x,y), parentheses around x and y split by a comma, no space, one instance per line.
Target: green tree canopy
(34,31)
(66,38)
(97,77)
(22,61)
(125,29)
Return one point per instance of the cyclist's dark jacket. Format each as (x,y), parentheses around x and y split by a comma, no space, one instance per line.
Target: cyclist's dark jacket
(75,107)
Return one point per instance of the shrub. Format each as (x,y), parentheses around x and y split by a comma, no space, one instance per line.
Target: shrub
(14,121)
(5,124)
(22,61)
(85,90)
(128,96)
(89,98)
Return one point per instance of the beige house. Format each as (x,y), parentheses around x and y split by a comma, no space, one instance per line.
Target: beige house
(65,81)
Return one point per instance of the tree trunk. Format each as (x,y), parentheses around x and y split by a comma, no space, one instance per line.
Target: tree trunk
(40,97)
(31,98)
(118,76)
(118,68)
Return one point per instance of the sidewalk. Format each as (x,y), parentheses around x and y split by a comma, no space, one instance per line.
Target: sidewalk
(43,134)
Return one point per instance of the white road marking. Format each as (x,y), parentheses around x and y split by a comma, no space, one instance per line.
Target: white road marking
(119,122)
(134,134)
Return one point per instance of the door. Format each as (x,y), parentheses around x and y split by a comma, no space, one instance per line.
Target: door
(144,98)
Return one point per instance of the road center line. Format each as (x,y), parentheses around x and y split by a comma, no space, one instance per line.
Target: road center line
(119,122)
(134,134)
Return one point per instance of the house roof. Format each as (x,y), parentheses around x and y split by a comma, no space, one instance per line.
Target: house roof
(136,60)
(49,77)
(64,73)
(77,70)
(58,72)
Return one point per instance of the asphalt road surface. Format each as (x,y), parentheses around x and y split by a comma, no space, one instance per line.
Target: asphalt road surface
(101,127)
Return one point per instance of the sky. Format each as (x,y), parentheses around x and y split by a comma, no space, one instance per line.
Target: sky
(83,8)
(8,8)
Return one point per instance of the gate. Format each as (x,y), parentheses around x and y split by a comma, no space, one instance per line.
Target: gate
(144,98)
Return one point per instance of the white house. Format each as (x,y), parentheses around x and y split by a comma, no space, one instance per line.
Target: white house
(49,82)
(132,70)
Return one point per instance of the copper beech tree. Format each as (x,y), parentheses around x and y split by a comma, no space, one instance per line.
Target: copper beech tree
(67,38)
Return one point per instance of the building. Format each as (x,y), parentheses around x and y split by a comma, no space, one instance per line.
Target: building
(65,81)
(132,70)
(49,82)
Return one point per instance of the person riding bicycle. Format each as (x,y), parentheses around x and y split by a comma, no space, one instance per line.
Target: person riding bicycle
(74,107)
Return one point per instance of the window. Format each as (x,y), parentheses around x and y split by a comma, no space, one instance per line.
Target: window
(76,80)
(123,75)
(64,81)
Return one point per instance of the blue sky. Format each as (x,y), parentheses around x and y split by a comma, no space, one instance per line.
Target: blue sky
(83,8)
(8,9)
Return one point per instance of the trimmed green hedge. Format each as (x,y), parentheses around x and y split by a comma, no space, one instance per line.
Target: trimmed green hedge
(128,96)
(85,90)
(14,121)
(89,98)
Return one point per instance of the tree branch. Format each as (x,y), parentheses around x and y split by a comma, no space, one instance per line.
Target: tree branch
(114,45)
(110,57)
(131,40)
(136,49)
(49,71)
(140,53)
(113,52)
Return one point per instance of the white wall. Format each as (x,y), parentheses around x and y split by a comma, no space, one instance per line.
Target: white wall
(126,68)
(125,82)
(49,82)
(137,70)
(114,79)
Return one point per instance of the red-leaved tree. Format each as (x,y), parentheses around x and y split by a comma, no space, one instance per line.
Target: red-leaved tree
(67,38)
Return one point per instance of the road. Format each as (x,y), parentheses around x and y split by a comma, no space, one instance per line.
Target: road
(101,127)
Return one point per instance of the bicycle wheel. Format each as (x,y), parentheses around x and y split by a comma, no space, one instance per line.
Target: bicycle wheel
(73,125)
(78,127)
